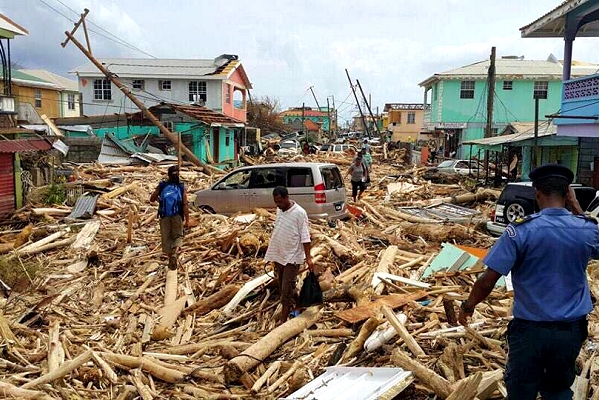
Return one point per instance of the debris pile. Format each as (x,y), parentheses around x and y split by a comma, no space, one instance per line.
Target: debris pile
(95,312)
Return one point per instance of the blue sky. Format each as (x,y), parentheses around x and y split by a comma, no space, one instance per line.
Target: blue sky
(288,46)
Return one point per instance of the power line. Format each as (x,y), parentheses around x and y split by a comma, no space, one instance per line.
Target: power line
(117,40)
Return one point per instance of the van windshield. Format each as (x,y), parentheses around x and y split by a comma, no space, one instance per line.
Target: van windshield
(331,177)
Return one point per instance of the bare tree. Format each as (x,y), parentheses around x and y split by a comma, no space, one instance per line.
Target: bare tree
(264,114)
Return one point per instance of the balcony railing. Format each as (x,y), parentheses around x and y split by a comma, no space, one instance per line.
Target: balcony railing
(580,100)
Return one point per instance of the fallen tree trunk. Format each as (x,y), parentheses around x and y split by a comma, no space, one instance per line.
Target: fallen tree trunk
(214,301)
(170,375)
(269,343)
(357,345)
(10,391)
(427,377)
(387,259)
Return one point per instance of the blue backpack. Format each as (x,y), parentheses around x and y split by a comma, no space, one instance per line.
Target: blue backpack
(171,200)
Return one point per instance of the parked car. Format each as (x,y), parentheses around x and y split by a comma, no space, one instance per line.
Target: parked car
(289,148)
(517,200)
(341,148)
(463,167)
(317,187)
(325,147)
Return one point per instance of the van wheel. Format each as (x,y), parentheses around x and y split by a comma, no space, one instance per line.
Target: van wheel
(517,209)
(207,209)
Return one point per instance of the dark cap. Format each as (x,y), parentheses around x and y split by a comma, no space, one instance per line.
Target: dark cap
(551,171)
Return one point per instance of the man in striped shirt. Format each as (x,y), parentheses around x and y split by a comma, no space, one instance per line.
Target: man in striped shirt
(289,246)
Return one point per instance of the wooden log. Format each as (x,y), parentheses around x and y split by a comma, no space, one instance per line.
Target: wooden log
(54,347)
(283,378)
(341,332)
(64,369)
(108,371)
(130,220)
(466,389)
(402,331)
(8,390)
(269,343)
(170,313)
(49,246)
(214,301)
(86,236)
(357,345)
(274,367)
(42,242)
(440,386)
(245,290)
(387,259)
(344,253)
(449,308)
(169,375)
(140,290)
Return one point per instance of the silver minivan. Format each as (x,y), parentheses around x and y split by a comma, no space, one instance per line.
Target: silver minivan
(317,187)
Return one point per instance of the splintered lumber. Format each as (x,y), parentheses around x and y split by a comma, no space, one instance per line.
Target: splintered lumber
(86,236)
(357,345)
(245,290)
(341,332)
(256,353)
(283,377)
(402,332)
(63,370)
(170,313)
(10,391)
(274,367)
(427,377)
(361,313)
(170,289)
(489,383)
(467,388)
(118,191)
(42,242)
(49,246)
(387,259)
(148,365)
(140,290)
(214,301)
(54,347)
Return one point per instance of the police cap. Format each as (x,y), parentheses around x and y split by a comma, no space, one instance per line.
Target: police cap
(551,171)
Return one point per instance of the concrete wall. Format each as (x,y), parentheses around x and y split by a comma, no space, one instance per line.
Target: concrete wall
(151,95)
(83,149)
(234,84)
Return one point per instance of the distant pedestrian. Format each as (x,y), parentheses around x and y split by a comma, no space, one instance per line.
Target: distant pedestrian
(306,149)
(359,176)
(365,145)
(367,159)
(173,211)
(289,247)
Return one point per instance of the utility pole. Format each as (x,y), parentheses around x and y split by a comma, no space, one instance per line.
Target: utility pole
(491,94)
(536,142)
(369,108)
(335,127)
(353,89)
(313,95)
(304,118)
(208,169)
(329,119)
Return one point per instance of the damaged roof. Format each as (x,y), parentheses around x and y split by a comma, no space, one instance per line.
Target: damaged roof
(200,113)
(22,145)
(553,23)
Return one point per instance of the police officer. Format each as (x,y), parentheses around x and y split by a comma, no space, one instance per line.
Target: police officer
(547,254)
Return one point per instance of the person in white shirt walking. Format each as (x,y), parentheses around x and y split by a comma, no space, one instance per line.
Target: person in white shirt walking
(289,246)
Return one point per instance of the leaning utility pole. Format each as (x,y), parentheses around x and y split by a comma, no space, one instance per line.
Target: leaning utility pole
(369,109)
(329,118)
(304,119)
(313,95)
(491,94)
(208,169)
(353,89)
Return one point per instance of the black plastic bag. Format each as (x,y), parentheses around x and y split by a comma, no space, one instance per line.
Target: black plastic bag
(310,293)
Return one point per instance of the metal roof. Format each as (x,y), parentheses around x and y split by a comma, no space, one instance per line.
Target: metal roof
(515,69)
(22,145)
(60,81)
(160,67)
(19,77)
(11,26)
(405,106)
(553,23)
(513,138)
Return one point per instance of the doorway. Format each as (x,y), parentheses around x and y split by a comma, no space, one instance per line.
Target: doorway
(216,144)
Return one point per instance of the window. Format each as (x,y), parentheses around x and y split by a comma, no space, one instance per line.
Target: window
(71,102)
(267,178)
(228,140)
(102,90)
(197,91)
(38,98)
(238,180)
(540,90)
(462,165)
(508,85)
(299,177)
(467,90)
(164,85)
(411,117)
(139,84)
(227,93)
(331,177)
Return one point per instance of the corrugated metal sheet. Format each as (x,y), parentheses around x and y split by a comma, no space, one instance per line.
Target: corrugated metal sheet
(85,207)
(442,212)
(110,153)
(19,145)
(7,185)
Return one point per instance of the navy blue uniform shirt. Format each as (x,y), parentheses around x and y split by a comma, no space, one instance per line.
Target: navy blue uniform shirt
(547,255)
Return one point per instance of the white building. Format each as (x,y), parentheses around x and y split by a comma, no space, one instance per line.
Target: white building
(220,84)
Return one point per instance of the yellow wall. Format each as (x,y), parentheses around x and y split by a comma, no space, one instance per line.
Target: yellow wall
(401,130)
(50,99)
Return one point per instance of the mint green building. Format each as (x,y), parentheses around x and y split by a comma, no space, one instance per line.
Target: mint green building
(458,99)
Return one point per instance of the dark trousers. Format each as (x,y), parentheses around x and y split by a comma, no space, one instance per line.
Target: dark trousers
(287,275)
(542,358)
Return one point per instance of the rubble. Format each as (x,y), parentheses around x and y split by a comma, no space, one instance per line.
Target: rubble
(104,317)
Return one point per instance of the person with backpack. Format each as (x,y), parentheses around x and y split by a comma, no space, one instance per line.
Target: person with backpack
(173,212)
